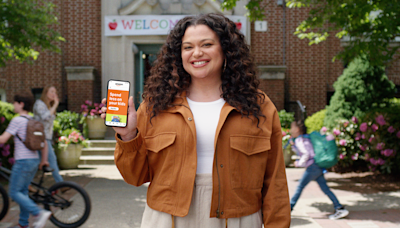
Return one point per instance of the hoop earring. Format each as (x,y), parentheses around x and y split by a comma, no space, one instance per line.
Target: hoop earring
(224,66)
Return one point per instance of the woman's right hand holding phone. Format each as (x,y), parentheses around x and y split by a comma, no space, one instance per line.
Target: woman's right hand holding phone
(129,132)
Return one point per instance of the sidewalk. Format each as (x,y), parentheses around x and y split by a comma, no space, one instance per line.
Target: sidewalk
(367,210)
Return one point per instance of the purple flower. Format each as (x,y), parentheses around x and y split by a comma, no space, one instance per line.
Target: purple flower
(380,146)
(363,136)
(363,127)
(380,120)
(83,106)
(391,129)
(372,168)
(2,119)
(5,153)
(374,127)
(354,157)
(343,142)
(354,119)
(373,161)
(336,131)
(11,161)
(358,136)
(380,161)
(366,157)
(387,152)
(88,102)
(398,134)
(342,156)
(363,148)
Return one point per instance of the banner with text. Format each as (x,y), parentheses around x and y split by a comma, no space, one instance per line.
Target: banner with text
(135,25)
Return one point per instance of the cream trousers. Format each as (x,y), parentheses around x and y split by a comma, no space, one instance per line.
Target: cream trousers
(199,212)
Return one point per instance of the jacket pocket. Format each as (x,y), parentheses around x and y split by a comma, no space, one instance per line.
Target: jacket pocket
(161,157)
(248,160)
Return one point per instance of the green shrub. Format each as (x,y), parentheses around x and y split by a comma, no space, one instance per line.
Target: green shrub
(286,118)
(316,121)
(356,90)
(6,149)
(69,120)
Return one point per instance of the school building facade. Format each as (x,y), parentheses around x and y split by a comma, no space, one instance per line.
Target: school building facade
(109,39)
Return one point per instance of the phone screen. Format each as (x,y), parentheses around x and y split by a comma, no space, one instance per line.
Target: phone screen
(117,103)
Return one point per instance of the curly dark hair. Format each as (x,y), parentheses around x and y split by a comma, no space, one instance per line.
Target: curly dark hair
(168,79)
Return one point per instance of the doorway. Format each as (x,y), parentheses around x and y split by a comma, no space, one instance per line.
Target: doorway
(144,59)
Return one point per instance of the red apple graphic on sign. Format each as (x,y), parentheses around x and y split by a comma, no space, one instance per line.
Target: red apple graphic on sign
(113,25)
(238,25)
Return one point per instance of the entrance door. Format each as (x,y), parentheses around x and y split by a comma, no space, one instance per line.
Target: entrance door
(143,62)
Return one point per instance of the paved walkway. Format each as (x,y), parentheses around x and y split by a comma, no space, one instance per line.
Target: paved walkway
(116,204)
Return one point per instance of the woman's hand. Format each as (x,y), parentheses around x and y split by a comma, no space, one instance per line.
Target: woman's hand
(129,132)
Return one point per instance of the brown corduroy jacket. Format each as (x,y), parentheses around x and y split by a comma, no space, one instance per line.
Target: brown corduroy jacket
(248,170)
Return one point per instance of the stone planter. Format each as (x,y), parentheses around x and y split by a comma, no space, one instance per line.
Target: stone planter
(96,128)
(69,156)
(287,155)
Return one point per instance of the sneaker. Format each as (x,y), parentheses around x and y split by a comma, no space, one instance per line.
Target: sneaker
(41,218)
(340,213)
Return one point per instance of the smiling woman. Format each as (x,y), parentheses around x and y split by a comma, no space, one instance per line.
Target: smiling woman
(205,137)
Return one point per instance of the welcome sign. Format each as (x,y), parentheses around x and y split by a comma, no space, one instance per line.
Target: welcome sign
(136,25)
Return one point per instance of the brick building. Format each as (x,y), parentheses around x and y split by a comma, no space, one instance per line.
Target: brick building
(289,68)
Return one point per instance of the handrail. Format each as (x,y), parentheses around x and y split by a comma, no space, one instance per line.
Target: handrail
(299,109)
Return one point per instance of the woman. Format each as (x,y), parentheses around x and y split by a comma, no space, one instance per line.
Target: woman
(44,110)
(207,140)
(303,147)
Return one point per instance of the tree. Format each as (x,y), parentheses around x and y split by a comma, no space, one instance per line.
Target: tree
(360,88)
(25,28)
(369,26)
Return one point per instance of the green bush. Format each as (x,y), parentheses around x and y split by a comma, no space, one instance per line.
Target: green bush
(286,118)
(6,149)
(69,120)
(356,90)
(316,121)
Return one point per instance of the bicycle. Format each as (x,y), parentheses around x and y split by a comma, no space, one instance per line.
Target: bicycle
(69,202)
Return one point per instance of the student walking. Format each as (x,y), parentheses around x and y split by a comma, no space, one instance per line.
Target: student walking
(303,147)
(44,110)
(26,164)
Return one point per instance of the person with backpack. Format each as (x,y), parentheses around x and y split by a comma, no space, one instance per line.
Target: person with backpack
(44,110)
(302,145)
(26,162)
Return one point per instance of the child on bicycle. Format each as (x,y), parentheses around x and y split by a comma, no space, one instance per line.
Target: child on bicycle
(26,164)
(302,145)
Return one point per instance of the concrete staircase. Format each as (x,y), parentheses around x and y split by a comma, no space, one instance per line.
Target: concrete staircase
(99,152)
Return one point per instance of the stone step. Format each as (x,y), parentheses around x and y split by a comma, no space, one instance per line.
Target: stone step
(102,143)
(96,160)
(98,151)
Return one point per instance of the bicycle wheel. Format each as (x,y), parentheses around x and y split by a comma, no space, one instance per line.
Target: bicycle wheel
(69,203)
(4,202)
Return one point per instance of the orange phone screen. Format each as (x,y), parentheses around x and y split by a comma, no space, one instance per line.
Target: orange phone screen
(117,103)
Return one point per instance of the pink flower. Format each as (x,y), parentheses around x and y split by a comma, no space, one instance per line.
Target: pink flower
(83,106)
(363,148)
(336,131)
(381,161)
(323,130)
(345,124)
(387,152)
(372,168)
(371,139)
(363,136)
(2,119)
(398,134)
(358,136)
(374,127)
(373,161)
(391,129)
(380,146)
(354,157)
(88,102)
(5,153)
(354,119)
(11,161)
(366,157)
(284,133)
(363,127)
(342,156)
(343,142)
(380,120)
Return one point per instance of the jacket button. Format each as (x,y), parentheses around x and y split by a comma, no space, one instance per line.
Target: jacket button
(222,166)
(190,119)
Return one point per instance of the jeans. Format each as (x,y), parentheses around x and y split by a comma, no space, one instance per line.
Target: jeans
(51,157)
(23,172)
(314,172)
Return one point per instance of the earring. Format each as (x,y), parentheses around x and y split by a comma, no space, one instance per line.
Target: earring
(224,66)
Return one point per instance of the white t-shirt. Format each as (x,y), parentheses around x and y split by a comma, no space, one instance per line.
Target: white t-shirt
(206,117)
(18,126)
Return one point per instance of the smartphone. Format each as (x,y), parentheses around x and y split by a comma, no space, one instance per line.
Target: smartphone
(117,103)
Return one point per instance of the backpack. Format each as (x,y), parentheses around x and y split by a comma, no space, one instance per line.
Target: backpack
(326,152)
(35,137)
